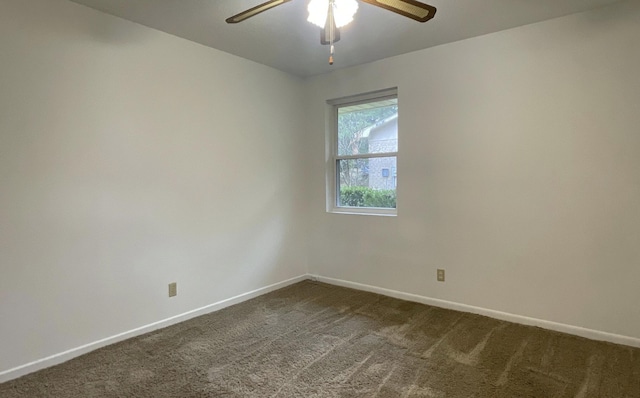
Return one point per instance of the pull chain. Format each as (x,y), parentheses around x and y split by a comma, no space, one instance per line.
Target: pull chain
(332,26)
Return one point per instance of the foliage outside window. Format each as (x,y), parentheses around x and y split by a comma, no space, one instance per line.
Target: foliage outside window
(366,152)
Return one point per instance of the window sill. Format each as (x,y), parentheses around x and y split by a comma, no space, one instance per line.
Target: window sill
(364,211)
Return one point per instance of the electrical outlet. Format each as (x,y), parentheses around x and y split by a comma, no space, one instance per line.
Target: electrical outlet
(440,275)
(173,289)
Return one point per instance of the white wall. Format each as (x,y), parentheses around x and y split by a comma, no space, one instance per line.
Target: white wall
(129,159)
(519,173)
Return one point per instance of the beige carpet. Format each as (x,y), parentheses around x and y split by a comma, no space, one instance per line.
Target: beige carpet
(316,340)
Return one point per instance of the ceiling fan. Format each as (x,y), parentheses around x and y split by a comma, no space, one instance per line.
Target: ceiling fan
(330,15)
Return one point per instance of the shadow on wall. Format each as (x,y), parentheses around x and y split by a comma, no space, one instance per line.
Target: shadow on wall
(111,31)
(592,25)
(92,25)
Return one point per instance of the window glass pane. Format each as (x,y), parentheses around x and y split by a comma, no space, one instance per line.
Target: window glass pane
(367,182)
(368,128)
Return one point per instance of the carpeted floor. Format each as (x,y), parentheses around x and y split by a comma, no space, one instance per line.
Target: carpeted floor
(317,340)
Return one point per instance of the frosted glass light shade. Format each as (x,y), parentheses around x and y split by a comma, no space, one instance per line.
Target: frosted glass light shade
(343,12)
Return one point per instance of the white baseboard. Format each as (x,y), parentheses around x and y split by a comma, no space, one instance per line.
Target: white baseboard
(558,327)
(75,352)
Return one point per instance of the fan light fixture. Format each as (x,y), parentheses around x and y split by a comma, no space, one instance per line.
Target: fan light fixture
(343,12)
(330,15)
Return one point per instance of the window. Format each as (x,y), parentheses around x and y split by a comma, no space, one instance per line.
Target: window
(362,172)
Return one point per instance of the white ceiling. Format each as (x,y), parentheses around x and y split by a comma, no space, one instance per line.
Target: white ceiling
(283,39)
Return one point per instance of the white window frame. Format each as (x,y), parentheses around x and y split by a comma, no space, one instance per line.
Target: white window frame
(332,156)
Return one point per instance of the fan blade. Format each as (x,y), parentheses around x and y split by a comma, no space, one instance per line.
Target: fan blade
(409,8)
(255,11)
